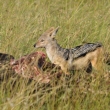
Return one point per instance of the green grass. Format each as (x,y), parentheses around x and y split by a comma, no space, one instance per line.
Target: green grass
(23,21)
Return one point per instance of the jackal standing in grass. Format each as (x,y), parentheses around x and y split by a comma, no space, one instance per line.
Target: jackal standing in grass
(84,56)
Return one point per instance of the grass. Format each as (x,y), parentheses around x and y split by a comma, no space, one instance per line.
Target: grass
(23,21)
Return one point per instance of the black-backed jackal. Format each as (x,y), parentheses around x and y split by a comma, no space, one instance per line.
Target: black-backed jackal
(84,56)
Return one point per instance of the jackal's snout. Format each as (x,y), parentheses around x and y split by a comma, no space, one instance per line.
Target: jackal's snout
(34,45)
(40,44)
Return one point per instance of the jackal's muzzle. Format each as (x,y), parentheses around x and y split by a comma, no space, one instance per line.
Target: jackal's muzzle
(34,45)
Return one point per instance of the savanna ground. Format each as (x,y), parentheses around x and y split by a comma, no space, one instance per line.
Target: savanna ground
(23,21)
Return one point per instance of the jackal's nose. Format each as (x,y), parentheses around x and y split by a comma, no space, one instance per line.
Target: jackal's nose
(34,45)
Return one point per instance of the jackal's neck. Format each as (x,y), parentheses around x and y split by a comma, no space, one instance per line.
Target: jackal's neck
(53,46)
(54,50)
(52,43)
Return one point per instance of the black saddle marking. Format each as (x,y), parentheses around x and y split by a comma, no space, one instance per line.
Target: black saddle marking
(82,50)
(66,54)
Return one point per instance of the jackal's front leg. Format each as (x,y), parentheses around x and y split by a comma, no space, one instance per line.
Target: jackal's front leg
(65,70)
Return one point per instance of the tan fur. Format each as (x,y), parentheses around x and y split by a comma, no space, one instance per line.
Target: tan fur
(92,57)
(52,49)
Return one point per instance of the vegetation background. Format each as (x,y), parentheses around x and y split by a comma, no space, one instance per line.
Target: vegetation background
(23,21)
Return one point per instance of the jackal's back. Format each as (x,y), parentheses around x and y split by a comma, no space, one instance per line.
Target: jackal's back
(82,50)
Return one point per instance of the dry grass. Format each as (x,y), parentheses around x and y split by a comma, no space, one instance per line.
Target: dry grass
(22,22)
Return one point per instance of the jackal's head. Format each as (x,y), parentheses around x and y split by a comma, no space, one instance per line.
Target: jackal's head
(46,37)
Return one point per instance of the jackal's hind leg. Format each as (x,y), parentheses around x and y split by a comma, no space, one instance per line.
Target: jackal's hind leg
(94,63)
(97,64)
(89,68)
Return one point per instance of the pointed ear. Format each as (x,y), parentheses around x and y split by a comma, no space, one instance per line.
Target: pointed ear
(53,33)
(50,30)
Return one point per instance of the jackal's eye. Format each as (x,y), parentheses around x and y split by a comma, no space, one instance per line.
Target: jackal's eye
(42,40)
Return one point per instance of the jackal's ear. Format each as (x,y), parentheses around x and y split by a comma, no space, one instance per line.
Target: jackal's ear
(53,32)
(50,30)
